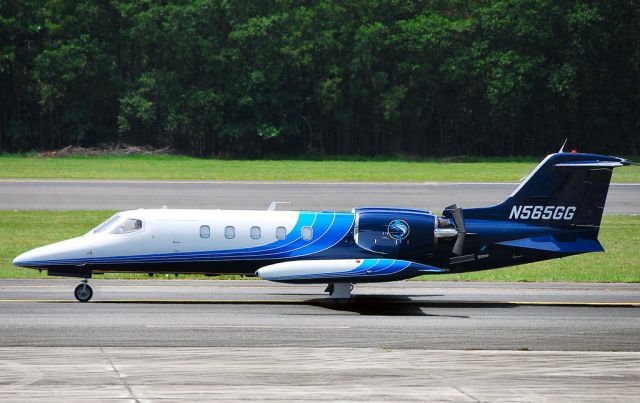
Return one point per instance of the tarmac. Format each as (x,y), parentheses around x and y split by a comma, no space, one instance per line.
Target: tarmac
(150,340)
(256,313)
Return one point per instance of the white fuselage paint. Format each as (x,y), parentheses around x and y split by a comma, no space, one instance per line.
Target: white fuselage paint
(169,231)
(309,267)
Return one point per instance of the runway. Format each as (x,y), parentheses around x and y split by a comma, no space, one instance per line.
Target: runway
(254,313)
(126,195)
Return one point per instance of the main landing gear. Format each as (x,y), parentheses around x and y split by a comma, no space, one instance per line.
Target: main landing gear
(340,291)
(83,291)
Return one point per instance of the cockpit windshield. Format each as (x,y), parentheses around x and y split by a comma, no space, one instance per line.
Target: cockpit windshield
(118,225)
(100,228)
(127,225)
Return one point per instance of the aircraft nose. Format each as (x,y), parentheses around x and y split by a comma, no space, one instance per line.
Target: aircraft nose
(23,259)
(40,256)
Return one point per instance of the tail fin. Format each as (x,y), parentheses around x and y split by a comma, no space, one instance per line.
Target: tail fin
(565,189)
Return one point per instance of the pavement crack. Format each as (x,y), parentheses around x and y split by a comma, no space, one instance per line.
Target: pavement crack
(120,377)
(475,399)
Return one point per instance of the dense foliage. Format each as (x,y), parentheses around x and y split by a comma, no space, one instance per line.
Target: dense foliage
(362,77)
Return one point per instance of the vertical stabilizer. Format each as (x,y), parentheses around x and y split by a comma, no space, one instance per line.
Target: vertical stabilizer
(565,189)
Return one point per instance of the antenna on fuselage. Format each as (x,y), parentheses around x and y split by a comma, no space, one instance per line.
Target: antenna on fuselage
(563,144)
(274,205)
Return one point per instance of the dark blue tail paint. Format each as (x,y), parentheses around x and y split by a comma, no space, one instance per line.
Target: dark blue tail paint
(565,190)
(556,211)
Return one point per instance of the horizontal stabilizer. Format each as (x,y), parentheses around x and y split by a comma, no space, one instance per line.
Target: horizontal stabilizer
(344,270)
(550,244)
(593,164)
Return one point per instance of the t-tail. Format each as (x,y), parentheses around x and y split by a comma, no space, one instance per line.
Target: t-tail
(557,208)
(565,189)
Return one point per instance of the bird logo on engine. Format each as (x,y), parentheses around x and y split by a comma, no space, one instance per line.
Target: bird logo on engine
(398,229)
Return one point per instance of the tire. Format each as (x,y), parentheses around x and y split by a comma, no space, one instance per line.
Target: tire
(83,292)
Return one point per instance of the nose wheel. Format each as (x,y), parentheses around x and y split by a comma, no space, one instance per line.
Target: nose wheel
(83,292)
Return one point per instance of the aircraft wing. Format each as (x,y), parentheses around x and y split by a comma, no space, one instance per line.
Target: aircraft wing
(344,270)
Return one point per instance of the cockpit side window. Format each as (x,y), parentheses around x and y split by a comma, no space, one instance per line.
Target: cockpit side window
(127,225)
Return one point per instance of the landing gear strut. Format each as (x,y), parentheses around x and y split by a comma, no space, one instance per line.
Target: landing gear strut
(340,290)
(83,291)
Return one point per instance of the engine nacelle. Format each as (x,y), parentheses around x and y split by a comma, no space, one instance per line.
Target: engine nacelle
(395,232)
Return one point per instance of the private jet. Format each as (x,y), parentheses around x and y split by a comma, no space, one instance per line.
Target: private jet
(555,212)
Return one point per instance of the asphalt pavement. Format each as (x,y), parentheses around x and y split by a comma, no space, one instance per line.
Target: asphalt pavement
(126,195)
(255,313)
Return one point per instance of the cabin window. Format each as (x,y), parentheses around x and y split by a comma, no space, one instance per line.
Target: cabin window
(281,233)
(307,233)
(255,233)
(205,231)
(229,232)
(127,225)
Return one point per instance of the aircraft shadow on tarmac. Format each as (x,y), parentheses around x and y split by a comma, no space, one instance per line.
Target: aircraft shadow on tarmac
(380,305)
(394,305)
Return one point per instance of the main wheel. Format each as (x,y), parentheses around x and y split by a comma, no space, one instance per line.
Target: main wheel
(83,292)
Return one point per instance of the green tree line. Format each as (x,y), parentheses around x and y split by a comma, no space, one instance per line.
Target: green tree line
(365,77)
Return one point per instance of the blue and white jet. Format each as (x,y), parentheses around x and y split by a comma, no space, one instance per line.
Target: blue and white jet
(555,212)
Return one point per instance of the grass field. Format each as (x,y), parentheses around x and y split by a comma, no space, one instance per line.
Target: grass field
(620,235)
(167,167)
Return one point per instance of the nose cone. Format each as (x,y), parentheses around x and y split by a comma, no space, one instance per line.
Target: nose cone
(31,258)
(19,260)
(51,254)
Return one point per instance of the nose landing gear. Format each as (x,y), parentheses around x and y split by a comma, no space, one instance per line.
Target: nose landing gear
(83,292)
